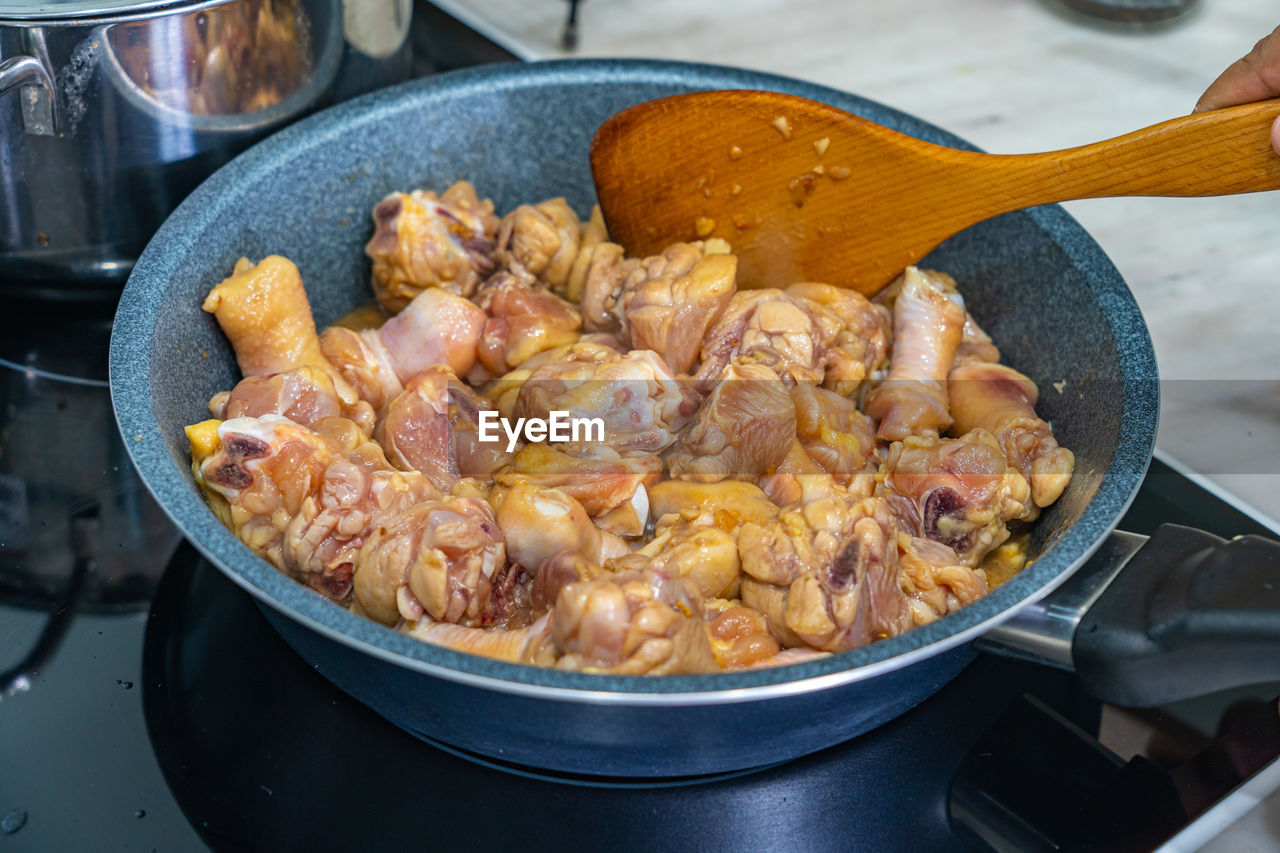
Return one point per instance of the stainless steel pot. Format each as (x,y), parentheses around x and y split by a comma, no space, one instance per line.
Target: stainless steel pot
(111,111)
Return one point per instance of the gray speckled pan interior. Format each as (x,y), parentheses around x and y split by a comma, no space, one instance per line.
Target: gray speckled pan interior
(1038,283)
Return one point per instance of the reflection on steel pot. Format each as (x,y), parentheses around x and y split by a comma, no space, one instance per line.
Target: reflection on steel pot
(111,111)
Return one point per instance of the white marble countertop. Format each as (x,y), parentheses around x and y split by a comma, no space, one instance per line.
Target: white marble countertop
(1012,76)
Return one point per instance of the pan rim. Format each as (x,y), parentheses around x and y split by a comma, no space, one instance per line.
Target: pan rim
(131,357)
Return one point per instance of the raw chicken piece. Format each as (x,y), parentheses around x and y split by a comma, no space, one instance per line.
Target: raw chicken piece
(362,361)
(555,573)
(957,491)
(697,548)
(785,485)
(303,500)
(604,268)
(670,300)
(975,344)
(732,501)
(928,320)
(422,240)
(594,235)
(437,328)
(826,573)
(441,558)
(433,427)
(523,319)
(743,429)
(540,523)
(304,395)
(539,242)
(858,344)
(264,312)
(1003,401)
(528,645)
(936,580)
(837,436)
(631,623)
(740,637)
(639,401)
(810,333)
(598,477)
(768,328)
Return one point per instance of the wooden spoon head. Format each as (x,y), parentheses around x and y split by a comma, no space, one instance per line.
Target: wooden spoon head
(801,191)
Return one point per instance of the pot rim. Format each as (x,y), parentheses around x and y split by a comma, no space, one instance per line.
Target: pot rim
(92,13)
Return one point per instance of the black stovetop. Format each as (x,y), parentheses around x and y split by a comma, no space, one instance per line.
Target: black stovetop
(157,709)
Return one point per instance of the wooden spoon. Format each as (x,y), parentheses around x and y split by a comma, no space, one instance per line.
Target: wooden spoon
(806,192)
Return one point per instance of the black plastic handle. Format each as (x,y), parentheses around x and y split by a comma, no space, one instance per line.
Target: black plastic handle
(1190,614)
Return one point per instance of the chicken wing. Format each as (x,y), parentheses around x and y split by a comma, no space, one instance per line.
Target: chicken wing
(631,623)
(522,320)
(928,322)
(436,328)
(264,312)
(743,429)
(1002,401)
(636,397)
(956,491)
(433,427)
(668,302)
(302,500)
(539,242)
(422,240)
(826,573)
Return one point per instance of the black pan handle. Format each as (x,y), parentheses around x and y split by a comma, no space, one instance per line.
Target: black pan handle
(1182,614)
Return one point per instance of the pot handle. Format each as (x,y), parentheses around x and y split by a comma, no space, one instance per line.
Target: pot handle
(39,98)
(1151,621)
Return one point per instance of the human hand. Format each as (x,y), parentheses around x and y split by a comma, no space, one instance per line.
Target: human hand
(1255,77)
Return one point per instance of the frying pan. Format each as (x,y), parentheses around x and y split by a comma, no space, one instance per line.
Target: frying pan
(1046,292)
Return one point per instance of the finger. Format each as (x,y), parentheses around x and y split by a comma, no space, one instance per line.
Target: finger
(1255,77)
(1275,135)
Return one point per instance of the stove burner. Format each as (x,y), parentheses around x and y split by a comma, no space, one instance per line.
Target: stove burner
(585,781)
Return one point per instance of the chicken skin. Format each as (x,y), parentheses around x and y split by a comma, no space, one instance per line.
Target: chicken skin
(423,240)
(826,573)
(928,322)
(960,492)
(1002,401)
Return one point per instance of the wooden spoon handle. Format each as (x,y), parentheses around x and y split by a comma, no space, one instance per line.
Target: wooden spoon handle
(1212,153)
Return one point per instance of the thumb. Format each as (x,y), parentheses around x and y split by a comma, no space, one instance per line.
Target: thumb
(1255,77)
